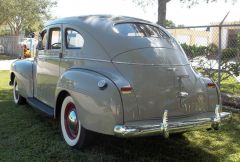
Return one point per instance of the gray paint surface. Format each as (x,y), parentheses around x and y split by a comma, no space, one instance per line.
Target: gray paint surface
(156,68)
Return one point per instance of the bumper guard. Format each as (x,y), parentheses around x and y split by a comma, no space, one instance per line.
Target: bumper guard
(165,128)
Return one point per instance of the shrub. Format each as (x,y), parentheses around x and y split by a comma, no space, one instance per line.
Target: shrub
(208,66)
(194,51)
(209,51)
(212,49)
(229,53)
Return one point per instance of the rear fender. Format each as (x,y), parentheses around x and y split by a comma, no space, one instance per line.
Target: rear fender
(214,97)
(22,70)
(99,109)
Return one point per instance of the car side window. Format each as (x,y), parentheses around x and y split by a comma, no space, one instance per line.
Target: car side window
(55,39)
(42,40)
(73,39)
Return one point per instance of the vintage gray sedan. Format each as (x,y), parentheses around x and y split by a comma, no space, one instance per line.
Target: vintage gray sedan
(119,76)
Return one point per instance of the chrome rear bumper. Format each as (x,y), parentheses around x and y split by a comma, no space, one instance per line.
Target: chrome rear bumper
(165,128)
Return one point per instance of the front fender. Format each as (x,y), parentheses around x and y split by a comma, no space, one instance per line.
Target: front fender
(23,72)
(99,109)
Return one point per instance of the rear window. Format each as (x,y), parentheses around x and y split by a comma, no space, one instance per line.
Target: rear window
(139,30)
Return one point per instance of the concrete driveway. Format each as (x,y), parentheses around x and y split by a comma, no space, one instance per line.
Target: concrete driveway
(6,64)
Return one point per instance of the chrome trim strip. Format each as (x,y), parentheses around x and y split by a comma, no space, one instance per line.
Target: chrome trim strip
(132,63)
(87,59)
(165,128)
(182,94)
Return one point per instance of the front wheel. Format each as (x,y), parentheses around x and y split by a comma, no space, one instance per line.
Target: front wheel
(18,99)
(73,133)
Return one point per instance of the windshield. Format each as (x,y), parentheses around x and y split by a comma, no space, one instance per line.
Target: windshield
(139,30)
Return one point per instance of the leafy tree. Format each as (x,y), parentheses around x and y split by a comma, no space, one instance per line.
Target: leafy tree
(23,15)
(170,23)
(3,8)
(162,6)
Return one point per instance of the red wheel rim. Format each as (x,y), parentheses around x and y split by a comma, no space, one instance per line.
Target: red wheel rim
(71,121)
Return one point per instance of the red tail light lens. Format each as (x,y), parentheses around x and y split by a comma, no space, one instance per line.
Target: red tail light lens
(126,89)
(211,85)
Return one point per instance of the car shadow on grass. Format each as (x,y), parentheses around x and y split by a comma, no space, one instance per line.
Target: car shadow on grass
(109,148)
(156,148)
(43,135)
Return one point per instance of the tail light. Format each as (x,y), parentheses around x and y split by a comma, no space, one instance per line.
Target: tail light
(211,85)
(126,89)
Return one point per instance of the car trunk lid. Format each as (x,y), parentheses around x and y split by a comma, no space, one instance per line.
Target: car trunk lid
(162,79)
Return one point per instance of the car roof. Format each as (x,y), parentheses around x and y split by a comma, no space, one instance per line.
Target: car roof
(100,27)
(97,19)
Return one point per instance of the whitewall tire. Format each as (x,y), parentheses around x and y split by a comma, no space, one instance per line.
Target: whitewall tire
(17,98)
(73,132)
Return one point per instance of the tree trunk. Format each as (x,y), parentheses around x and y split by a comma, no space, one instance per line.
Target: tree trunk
(162,8)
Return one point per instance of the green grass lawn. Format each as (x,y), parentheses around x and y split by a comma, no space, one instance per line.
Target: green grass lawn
(231,85)
(26,135)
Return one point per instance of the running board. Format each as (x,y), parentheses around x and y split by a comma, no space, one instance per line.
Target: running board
(40,106)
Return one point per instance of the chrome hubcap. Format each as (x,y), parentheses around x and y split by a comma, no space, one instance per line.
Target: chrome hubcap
(71,121)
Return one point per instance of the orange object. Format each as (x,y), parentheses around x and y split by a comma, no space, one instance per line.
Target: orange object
(26,52)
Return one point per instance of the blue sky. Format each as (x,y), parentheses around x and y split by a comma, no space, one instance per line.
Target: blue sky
(202,14)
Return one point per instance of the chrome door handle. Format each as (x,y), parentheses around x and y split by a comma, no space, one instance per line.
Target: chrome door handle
(171,69)
(182,94)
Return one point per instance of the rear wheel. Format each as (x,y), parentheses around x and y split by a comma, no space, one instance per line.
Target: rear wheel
(73,133)
(18,99)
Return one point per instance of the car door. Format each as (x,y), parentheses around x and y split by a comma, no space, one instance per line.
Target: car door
(72,48)
(47,64)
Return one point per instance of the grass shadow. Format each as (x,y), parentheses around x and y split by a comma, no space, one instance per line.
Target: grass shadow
(156,148)
(29,132)
(27,135)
